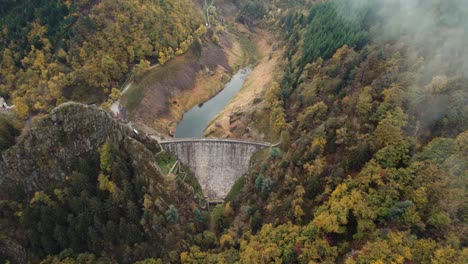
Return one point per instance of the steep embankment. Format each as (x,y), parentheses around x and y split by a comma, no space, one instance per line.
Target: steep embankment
(159,99)
(80,181)
(235,121)
(72,131)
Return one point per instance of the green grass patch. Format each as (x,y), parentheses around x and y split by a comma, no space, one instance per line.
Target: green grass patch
(165,161)
(249,51)
(132,98)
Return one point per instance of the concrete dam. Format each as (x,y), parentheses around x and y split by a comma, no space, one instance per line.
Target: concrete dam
(216,163)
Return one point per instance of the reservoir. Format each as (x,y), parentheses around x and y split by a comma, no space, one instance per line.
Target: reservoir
(196,120)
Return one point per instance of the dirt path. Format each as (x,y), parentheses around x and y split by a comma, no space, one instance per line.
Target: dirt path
(208,4)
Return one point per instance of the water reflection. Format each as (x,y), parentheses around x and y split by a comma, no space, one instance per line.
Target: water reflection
(196,120)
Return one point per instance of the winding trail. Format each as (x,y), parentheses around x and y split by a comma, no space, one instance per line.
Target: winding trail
(206,11)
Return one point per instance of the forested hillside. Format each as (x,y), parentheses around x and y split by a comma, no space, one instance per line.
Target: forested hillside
(369,106)
(90,190)
(372,116)
(55,51)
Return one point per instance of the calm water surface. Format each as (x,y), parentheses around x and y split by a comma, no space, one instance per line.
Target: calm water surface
(196,120)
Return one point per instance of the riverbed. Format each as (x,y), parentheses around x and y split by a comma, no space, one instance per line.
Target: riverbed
(197,119)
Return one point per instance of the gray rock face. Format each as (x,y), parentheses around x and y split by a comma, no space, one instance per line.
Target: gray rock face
(216,163)
(70,131)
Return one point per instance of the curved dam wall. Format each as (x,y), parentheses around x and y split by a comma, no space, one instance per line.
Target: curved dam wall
(217,163)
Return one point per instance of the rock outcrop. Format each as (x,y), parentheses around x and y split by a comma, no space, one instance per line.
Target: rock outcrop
(71,131)
(47,154)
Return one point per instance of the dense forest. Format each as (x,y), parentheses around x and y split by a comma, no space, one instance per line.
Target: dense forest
(372,116)
(61,50)
(370,110)
(107,204)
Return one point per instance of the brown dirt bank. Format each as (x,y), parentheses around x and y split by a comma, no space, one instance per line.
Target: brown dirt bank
(241,117)
(158,101)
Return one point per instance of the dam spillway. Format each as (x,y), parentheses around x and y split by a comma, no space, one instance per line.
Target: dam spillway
(216,163)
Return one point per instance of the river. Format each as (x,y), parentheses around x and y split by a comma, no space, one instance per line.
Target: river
(196,120)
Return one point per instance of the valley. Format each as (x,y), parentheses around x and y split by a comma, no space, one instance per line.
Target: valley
(158,100)
(233,131)
(196,120)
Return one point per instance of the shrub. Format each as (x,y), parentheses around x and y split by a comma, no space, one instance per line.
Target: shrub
(264,185)
(398,209)
(7,133)
(256,222)
(209,239)
(219,218)
(275,153)
(172,215)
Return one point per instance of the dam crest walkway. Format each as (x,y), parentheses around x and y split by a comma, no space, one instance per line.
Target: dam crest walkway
(223,140)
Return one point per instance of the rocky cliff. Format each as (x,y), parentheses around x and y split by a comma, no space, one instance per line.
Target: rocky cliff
(95,177)
(71,131)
